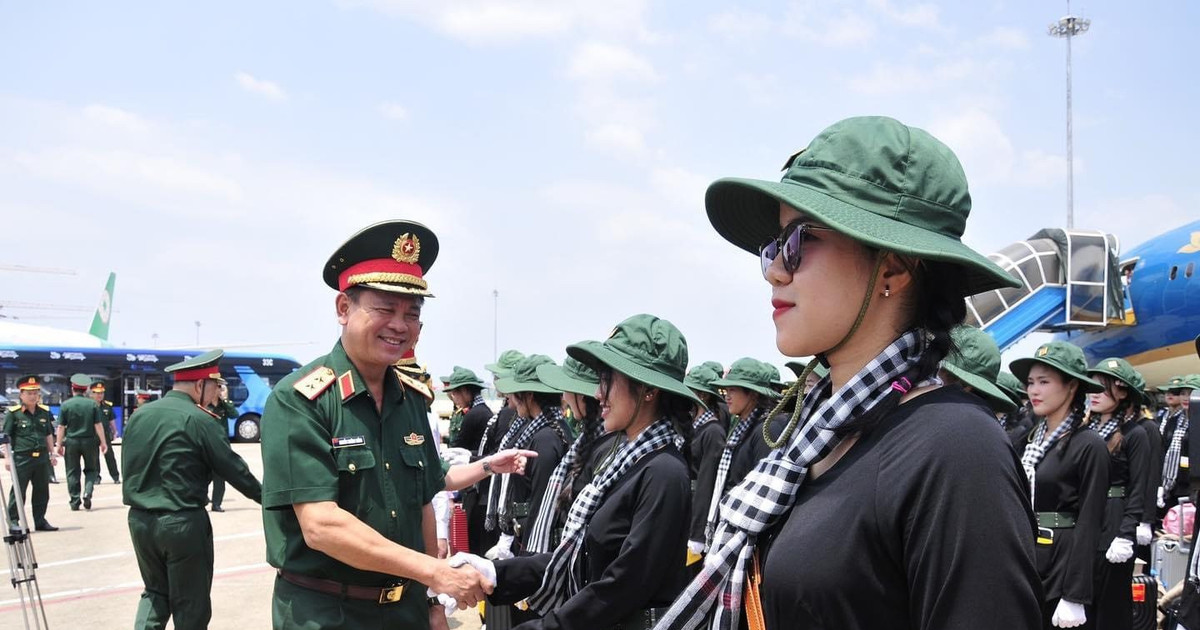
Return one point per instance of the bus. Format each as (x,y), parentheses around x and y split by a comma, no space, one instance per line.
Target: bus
(125,372)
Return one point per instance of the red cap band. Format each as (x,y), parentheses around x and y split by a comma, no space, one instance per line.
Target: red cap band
(196,374)
(376,266)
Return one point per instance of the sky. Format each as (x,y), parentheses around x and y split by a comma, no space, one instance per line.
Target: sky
(215,154)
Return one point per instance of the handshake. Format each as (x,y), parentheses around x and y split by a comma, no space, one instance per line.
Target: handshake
(463,582)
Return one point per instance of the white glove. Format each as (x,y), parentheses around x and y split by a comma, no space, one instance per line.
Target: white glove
(487,568)
(456,456)
(1120,550)
(696,547)
(1068,615)
(447,602)
(1144,534)
(501,550)
(1162,503)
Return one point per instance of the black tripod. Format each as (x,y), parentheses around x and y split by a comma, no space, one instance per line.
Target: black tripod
(21,560)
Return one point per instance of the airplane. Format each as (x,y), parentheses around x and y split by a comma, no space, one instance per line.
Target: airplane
(96,337)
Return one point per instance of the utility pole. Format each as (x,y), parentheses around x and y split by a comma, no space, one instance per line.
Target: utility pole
(495,323)
(1066,28)
(197,333)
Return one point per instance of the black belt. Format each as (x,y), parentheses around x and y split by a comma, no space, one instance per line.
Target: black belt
(642,619)
(1056,520)
(379,594)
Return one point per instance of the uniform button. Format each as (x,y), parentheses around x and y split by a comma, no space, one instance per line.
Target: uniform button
(352,467)
(421,463)
(387,465)
(393,513)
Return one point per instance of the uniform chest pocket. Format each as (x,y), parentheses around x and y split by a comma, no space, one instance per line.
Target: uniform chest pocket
(410,478)
(356,479)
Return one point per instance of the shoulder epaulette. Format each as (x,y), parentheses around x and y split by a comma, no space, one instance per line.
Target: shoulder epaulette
(108,403)
(414,384)
(315,383)
(15,408)
(207,411)
(43,407)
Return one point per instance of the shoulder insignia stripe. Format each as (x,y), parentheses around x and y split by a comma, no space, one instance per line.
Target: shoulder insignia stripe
(43,407)
(414,384)
(15,408)
(315,383)
(207,411)
(346,384)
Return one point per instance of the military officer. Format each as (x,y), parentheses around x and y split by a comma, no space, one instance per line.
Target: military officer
(223,410)
(350,462)
(80,434)
(110,429)
(168,456)
(30,427)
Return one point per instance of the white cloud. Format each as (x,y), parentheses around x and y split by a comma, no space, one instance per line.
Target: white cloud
(116,117)
(990,157)
(616,138)
(1006,38)
(848,28)
(123,173)
(921,15)
(892,78)
(739,25)
(394,111)
(597,61)
(261,87)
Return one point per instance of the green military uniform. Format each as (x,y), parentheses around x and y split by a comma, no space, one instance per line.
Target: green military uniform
(28,433)
(169,455)
(79,416)
(222,411)
(323,439)
(106,409)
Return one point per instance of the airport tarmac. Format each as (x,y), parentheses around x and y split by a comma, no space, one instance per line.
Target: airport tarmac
(89,577)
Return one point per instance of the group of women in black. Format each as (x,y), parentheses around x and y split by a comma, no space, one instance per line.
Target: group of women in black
(877,491)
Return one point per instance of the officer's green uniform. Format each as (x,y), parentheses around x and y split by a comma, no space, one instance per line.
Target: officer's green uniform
(80,415)
(110,456)
(28,433)
(222,411)
(169,455)
(323,440)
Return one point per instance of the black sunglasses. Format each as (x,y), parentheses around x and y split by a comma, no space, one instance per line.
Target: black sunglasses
(791,243)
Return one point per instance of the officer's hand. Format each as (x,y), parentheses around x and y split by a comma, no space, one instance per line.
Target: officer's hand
(510,460)
(464,584)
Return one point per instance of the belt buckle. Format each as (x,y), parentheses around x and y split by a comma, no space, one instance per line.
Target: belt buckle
(391,594)
(1045,536)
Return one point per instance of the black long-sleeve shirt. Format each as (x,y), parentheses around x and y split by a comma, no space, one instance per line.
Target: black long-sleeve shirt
(633,551)
(531,487)
(1130,467)
(474,423)
(1154,440)
(924,523)
(706,445)
(752,449)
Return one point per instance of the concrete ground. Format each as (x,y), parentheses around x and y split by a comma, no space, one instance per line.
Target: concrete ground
(89,578)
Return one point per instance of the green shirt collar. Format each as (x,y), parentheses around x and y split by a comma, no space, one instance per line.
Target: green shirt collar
(345,374)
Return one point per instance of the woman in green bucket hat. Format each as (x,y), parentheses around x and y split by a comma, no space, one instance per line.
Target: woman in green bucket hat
(1067,472)
(1113,414)
(885,488)
(628,522)
(471,413)
(704,451)
(578,384)
(1175,478)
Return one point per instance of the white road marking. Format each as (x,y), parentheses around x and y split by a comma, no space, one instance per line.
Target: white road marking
(109,556)
(127,585)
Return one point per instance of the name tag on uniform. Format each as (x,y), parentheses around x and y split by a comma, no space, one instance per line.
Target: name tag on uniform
(343,442)
(414,439)
(1183,462)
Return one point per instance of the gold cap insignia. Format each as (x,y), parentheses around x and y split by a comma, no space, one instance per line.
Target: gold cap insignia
(413,439)
(1112,365)
(1043,350)
(407,249)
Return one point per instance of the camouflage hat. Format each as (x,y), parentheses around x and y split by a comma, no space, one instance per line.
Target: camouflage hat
(1123,371)
(505,364)
(701,377)
(976,362)
(459,377)
(644,348)
(524,377)
(572,376)
(751,374)
(204,366)
(1062,356)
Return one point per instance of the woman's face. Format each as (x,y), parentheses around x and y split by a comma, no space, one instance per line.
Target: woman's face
(574,402)
(1048,390)
(456,397)
(517,401)
(815,307)
(617,403)
(741,401)
(1107,400)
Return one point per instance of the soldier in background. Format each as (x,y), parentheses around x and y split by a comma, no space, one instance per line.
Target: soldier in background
(81,439)
(222,411)
(30,427)
(110,430)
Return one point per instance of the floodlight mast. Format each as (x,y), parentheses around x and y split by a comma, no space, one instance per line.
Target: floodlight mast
(1066,28)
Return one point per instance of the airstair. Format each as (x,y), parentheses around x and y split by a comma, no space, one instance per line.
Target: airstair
(1071,282)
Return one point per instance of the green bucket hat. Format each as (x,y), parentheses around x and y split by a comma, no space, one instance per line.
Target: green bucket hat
(701,377)
(1062,356)
(1123,371)
(572,376)
(459,377)
(714,366)
(505,364)
(644,348)
(1191,381)
(750,374)
(1176,382)
(873,179)
(1011,386)
(524,377)
(798,367)
(776,377)
(976,362)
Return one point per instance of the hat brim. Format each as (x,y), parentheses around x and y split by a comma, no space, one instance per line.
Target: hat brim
(1020,369)
(497,371)
(449,387)
(555,376)
(997,399)
(396,288)
(1129,387)
(594,354)
(510,385)
(696,387)
(754,387)
(746,213)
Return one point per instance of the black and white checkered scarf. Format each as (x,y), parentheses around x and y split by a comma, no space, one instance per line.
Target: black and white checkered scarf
(1109,426)
(543,524)
(704,418)
(492,515)
(1036,449)
(1174,450)
(714,598)
(549,417)
(740,430)
(562,575)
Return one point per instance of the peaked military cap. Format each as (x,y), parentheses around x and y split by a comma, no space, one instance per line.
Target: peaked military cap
(29,382)
(389,256)
(198,367)
(80,381)
(98,387)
